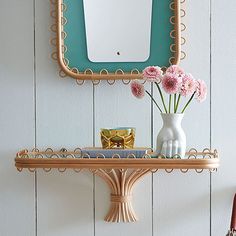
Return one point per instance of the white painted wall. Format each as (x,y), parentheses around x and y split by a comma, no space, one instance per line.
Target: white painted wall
(38,108)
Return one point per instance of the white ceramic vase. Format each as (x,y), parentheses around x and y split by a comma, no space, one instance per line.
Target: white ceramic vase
(171,140)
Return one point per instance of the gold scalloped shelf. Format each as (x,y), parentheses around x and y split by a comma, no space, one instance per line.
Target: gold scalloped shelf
(119,173)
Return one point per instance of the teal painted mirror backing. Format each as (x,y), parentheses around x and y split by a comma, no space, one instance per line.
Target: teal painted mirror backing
(75,40)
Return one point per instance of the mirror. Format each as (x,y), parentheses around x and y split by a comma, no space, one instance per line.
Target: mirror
(138,33)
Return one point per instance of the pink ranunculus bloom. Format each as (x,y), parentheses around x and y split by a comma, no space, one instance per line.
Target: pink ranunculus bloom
(201,90)
(137,89)
(174,69)
(171,83)
(188,86)
(152,74)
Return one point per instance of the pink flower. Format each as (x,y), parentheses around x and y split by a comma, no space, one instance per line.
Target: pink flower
(152,74)
(188,86)
(201,90)
(174,69)
(171,83)
(137,89)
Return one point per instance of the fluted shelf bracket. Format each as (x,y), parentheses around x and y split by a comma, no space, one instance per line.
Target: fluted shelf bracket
(121,183)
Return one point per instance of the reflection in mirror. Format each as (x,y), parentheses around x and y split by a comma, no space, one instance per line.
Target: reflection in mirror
(118,30)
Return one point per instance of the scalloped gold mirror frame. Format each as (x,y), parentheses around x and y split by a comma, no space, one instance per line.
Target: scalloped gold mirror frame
(104,74)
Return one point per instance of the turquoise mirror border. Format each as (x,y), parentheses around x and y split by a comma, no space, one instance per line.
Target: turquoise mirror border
(165,42)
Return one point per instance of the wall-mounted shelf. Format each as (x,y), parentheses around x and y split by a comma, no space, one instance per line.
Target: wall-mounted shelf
(119,173)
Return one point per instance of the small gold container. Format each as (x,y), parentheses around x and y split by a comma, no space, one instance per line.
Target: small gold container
(122,137)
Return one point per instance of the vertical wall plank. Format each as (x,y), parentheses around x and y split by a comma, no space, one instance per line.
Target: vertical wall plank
(16,116)
(223,112)
(116,107)
(64,119)
(182,201)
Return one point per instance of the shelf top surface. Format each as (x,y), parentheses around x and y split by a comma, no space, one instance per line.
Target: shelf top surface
(205,159)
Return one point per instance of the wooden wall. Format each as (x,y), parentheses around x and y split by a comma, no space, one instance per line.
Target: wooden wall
(39,108)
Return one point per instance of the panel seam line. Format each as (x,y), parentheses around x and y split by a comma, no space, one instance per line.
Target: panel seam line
(35,116)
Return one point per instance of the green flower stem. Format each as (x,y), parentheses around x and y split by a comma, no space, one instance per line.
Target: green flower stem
(169,103)
(177,104)
(153,100)
(174,102)
(188,102)
(162,98)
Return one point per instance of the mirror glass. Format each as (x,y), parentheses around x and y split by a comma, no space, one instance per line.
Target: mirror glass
(118,30)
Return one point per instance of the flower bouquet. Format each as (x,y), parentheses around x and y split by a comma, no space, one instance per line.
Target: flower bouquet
(172,85)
